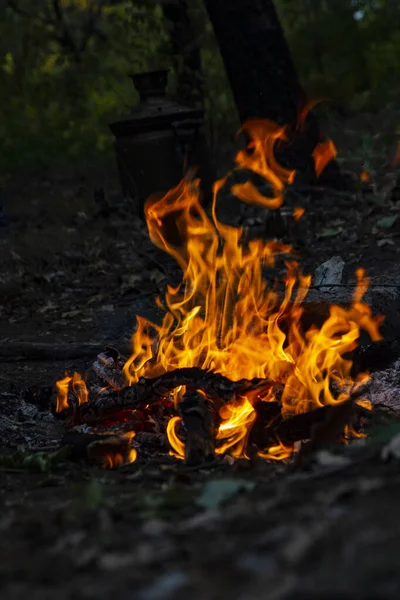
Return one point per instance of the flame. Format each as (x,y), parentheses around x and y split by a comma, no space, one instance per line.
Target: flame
(115,451)
(298,212)
(116,459)
(178,447)
(78,386)
(364,177)
(278,452)
(323,153)
(226,318)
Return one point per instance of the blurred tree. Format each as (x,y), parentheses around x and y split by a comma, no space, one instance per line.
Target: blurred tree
(63,74)
(186,54)
(262,74)
(63,66)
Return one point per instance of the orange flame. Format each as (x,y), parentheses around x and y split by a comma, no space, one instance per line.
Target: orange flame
(116,459)
(227,318)
(178,447)
(364,177)
(64,385)
(323,153)
(298,212)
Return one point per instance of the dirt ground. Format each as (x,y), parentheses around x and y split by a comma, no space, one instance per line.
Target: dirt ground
(71,271)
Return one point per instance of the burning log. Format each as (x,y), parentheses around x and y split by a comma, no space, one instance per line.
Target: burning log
(105,370)
(158,389)
(106,449)
(317,429)
(200,420)
(306,426)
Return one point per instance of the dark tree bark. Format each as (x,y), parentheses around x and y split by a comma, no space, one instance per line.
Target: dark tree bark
(186,53)
(262,74)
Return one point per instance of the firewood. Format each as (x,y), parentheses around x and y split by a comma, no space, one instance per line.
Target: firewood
(158,389)
(200,420)
(304,426)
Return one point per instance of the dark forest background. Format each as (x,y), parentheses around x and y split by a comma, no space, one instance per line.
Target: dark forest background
(64,67)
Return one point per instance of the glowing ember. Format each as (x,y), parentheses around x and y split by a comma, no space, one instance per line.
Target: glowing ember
(364,177)
(225,317)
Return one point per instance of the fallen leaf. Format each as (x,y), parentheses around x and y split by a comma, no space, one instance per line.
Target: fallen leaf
(387,222)
(70,314)
(48,306)
(96,298)
(113,561)
(385,242)
(166,586)
(218,491)
(392,449)
(93,495)
(157,276)
(330,232)
(107,308)
(329,459)
(130,282)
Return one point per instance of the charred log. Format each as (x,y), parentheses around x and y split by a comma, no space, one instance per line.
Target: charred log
(377,356)
(95,447)
(321,426)
(200,420)
(158,389)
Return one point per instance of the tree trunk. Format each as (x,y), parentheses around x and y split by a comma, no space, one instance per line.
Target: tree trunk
(186,53)
(262,75)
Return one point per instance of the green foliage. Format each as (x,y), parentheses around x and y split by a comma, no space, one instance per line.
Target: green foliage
(59,90)
(64,67)
(345,50)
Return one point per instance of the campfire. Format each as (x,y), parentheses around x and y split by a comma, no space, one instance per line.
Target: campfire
(233,369)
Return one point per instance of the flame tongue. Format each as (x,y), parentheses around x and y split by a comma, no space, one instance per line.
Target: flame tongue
(226,318)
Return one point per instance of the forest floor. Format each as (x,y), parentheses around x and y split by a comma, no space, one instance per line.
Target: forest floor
(156,529)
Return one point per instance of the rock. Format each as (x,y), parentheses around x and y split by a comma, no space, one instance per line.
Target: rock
(330,272)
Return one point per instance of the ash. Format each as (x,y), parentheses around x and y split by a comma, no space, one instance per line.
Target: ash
(384,387)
